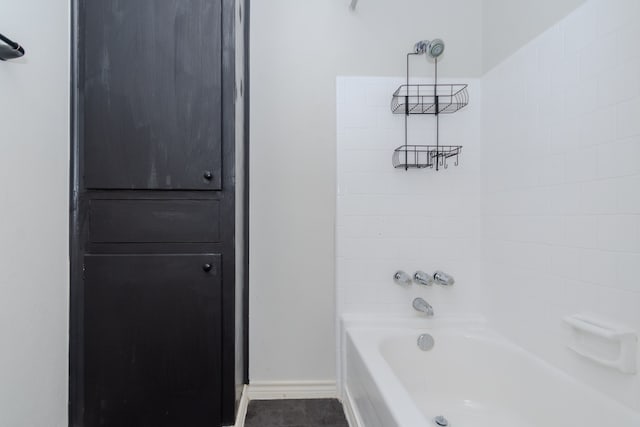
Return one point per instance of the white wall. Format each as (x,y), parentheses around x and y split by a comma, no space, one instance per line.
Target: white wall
(391,219)
(509,24)
(34,196)
(561,191)
(297,50)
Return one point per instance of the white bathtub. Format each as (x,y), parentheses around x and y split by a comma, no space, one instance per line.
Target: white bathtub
(472,376)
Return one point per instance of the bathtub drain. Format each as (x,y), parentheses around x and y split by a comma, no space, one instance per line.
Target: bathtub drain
(441,421)
(425,342)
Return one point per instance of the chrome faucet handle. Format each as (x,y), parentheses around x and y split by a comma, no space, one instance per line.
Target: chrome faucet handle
(443,278)
(423,278)
(422,306)
(402,278)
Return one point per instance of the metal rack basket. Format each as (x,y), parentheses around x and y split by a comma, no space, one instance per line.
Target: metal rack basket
(426,156)
(429,99)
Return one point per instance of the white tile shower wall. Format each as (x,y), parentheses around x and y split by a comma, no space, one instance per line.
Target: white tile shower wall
(391,219)
(561,186)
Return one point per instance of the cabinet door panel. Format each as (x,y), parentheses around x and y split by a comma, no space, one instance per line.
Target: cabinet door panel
(152,94)
(152,340)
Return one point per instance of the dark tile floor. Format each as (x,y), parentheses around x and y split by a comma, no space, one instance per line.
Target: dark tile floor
(295,413)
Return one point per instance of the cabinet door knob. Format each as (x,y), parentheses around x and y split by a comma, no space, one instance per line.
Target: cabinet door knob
(207,267)
(208,175)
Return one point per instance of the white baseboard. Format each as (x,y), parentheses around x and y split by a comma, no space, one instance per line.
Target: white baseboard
(242,408)
(350,410)
(264,390)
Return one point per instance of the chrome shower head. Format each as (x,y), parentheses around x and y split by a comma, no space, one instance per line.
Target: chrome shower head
(436,48)
(433,48)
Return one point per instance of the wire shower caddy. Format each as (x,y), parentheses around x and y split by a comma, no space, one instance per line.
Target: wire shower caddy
(434,99)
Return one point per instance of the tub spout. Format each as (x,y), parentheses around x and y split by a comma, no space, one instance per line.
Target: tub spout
(422,306)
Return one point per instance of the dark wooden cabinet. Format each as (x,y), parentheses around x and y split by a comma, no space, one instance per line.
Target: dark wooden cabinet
(152,347)
(152,94)
(153,314)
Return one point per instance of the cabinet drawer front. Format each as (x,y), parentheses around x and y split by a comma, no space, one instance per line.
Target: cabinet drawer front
(154,221)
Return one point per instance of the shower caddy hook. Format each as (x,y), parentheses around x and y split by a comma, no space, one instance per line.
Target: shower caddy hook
(10,50)
(434,99)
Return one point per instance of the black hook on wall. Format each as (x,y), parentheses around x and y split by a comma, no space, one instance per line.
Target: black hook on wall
(11,50)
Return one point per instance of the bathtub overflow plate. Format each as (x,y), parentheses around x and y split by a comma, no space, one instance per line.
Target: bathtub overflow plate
(441,421)
(425,342)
